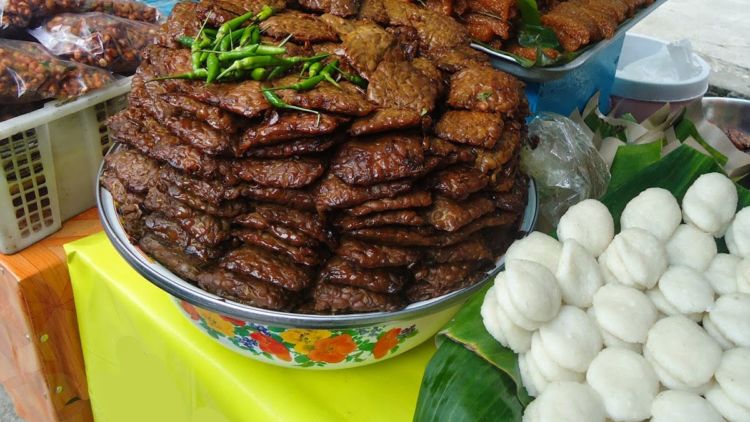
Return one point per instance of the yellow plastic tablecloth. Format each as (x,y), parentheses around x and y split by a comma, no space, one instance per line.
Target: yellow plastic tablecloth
(145,362)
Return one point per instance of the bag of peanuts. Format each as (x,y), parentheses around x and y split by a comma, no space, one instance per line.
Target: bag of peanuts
(97,39)
(30,73)
(19,14)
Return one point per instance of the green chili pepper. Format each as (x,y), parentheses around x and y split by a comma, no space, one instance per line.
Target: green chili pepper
(210,32)
(197,56)
(277,102)
(327,70)
(255,36)
(258,74)
(196,74)
(249,63)
(186,41)
(251,50)
(247,34)
(277,71)
(212,67)
(235,23)
(355,79)
(302,85)
(315,68)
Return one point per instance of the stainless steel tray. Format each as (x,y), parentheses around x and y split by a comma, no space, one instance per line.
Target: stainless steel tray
(182,289)
(508,63)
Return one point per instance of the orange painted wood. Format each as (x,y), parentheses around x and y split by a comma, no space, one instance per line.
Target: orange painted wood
(41,364)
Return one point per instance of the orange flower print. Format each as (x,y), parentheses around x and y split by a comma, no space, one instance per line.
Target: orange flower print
(215,322)
(385,343)
(333,349)
(190,309)
(237,322)
(269,345)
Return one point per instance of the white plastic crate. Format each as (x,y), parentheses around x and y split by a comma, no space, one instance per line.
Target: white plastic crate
(49,159)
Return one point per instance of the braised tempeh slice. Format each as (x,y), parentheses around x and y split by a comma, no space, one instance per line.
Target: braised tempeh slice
(267,266)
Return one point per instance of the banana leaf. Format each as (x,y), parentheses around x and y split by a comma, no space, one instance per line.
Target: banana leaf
(458,386)
(630,159)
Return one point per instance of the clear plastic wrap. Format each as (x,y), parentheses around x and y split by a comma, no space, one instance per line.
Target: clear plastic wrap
(97,39)
(18,14)
(564,163)
(30,73)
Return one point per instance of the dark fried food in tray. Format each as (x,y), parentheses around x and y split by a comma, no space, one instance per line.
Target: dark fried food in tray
(404,187)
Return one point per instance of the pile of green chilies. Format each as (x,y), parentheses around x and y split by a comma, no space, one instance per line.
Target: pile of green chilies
(233,52)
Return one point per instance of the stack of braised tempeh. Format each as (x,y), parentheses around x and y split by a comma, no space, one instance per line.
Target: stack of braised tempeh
(400,192)
(575,22)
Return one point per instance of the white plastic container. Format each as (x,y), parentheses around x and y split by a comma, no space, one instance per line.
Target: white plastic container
(49,159)
(642,96)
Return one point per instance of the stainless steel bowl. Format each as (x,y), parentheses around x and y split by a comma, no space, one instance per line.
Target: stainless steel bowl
(182,289)
(290,339)
(727,113)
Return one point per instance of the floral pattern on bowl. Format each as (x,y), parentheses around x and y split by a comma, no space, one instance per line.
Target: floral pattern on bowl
(305,348)
(314,348)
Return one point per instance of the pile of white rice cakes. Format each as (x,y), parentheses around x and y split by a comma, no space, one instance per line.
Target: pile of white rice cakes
(651,323)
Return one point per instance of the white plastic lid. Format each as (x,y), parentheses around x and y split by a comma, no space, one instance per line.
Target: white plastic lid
(638,48)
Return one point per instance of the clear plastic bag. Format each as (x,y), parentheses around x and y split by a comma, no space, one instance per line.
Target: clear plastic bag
(30,73)
(97,39)
(18,14)
(564,163)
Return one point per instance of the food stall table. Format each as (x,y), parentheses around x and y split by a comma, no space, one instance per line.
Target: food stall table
(41,365)
(146,362)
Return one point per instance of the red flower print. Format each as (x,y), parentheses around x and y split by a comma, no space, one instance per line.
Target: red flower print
(190,309)
(332,349)
(269,345)
(237,322)
(385,343)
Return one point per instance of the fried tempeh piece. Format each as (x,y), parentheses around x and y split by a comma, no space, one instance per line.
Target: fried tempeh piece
(345,299)
(135,170)
(340,271)
(180,263)
(483,88)
(300,146)
(287,173)
(449,215)
(470,127)
(306,222)
(458,182)
(279,127)
(295,198)
(301,26)
(303,255)
(336,7)
(290,235)
(244,289)
(485,28)
(334,193)
(397,217)
(397,235)
(385,120)
(267,266)
(409,200)
(215,117)
(244,98)
(472,249)
(365,45)
(225,209)
(204,228)
(348,100)
(398,84)
(135,128)
(171,232)
(447,275)
(380,159)
(368,255)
